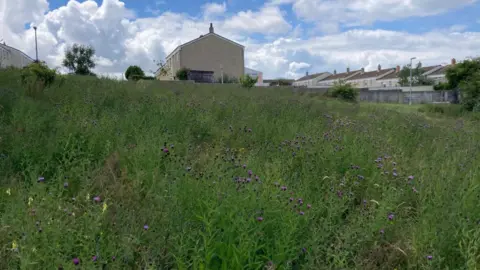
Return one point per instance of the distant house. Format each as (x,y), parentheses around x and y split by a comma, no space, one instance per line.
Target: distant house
(11,57)
(438,75)
(337,77)
(435,73)
(310,80)
(391,79)
(278,82)
(255,74)
(368,79)
(208,53)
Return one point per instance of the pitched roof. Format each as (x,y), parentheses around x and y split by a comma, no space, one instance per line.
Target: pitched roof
(5,46)
(340,75)
(200,38)
(309,77)
(440,71)
(427,69)
(371,74)
(393,75)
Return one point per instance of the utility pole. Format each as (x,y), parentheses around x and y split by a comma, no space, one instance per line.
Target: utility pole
(221,72)
(411,63)
(36,47)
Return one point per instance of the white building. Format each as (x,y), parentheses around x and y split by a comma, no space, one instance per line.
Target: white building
(329,81)
(11,57)
(368,79)
(256,75)
(311,80)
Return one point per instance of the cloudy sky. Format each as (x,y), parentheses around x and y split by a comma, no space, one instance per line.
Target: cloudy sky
(283,38)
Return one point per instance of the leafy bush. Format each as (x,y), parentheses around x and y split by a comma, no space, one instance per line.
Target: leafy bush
(442,86)
(344,91)
(471,93)
(247,81)
(134,73)
(36,77)
(182,74)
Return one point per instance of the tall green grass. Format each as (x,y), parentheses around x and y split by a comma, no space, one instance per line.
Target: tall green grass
(329,185)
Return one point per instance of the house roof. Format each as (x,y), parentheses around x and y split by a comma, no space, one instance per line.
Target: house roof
(311,76)
(393,75)
(371,74)
(440,71)
(200,38)
(340,75)
(5,46)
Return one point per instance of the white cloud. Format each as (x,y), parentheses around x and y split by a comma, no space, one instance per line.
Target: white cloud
(360,12)
(121,40)
(268,20)
(212,9)
(458,28)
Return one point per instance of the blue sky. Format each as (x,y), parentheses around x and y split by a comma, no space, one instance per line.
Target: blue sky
(283,38)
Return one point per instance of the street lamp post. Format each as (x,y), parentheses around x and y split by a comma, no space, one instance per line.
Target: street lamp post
(36,47)
(411,63)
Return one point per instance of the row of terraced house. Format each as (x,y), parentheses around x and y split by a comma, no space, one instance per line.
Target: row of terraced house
(376,79)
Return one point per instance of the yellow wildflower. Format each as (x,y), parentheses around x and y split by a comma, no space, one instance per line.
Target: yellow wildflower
(9,192)
(105,206)
(30,200)
(14,245)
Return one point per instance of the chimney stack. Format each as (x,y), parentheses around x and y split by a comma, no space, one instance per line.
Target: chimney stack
(363,70)
(348,70)
(211,29)
(335,72)
(454,61)
(306,73)
(398,69)
(379,67)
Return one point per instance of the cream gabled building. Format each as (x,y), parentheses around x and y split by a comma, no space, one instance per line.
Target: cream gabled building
(207,53)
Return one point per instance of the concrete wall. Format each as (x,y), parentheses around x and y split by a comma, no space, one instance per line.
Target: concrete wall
(404,88)
(213,53)
(399,96)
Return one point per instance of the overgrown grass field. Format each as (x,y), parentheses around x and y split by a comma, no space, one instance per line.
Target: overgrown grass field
(99,174)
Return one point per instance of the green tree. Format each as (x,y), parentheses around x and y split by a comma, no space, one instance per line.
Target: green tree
(79,59)
(417,77)
(460,75)
(344,91)
(134,73)
(247,81)
(182,74)
(471,92)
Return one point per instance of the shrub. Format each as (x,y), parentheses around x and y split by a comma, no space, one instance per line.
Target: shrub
(182,74)
(442,86)
(134,73)
(470,90)
(247,81)
(36,77)
(344,91)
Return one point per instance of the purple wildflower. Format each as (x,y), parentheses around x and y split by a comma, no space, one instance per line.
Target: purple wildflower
(429,257)
(65,185)
(256,177)
(249,180)
(301,213)
(260,219)
(94,258)
(165,150)
(97,199)
(244,166)
(283,188)
(41,179)
(249,172)
(410,177)
(113,258)
(414,190)
(360,177)
(382,231)
(340,194)
(76,261)
(145,227)
(395,174)
(304,250)
(291,199)
(391,216)
(309,206)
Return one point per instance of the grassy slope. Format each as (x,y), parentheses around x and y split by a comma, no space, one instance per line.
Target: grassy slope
(105,138)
